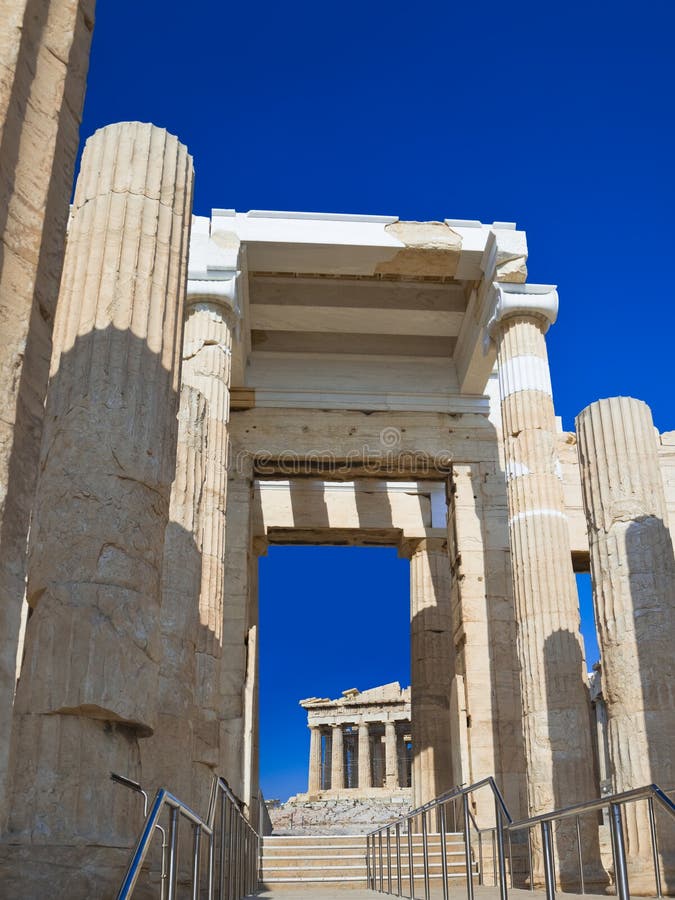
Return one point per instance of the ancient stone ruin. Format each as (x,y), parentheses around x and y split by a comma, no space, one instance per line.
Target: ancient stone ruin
(181,392)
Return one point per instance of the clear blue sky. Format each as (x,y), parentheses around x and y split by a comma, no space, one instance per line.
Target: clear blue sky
(556,116)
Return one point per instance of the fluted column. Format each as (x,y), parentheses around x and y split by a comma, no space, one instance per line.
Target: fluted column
(90,677)
(44,49)
(391,756)
(633,575)
(194,560)
(337,759)
(365,771)
(556,713)
(432,668)
(314,782)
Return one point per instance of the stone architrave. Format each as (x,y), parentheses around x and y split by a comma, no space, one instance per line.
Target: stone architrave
(314,785)
(337,759)
(556,714)
(44,56)
(432,668)
(88,688)
(633,575)
(365,771)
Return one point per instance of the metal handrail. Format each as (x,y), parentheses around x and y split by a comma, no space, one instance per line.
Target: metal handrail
(374,849)
(238,852)
(504,824)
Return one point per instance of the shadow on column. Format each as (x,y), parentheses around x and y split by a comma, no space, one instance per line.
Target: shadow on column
(651,573)
(108,675)
(564,646)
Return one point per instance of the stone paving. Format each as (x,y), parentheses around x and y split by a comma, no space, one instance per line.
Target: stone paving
(333,892)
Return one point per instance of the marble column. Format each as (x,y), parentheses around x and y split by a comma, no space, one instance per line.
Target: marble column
(314,784)
(44,48)
(391,756)
(432,668)
(556,715)
(89,685)
(633,574)
(365,771)
(194,560)
(337,759)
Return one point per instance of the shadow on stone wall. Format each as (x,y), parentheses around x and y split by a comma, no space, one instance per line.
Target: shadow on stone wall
(108,674)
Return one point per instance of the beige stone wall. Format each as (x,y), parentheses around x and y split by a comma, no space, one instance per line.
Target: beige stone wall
(44,55)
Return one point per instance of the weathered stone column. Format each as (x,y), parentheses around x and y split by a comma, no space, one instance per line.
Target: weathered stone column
(556,721)
(44,54)
(337,759)
(432,668)
(633,575)
(314,783)
(391,756)
(194,559)
(365,772)
(88,688)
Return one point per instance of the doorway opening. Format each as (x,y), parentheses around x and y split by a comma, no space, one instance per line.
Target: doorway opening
(331,618)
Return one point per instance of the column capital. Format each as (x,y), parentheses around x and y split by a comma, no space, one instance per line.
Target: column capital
(409,547)
(536,301)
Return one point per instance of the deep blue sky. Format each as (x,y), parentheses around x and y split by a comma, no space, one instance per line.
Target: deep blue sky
(557,116)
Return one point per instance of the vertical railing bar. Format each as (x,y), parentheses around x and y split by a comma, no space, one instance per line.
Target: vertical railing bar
(230,853)
(172,876)
(368,861)
(549,875)
(467,848)
(620,869)
(444,850)
(388,859)
(210,876)
(221,871)
(503,889)
(411,861)
(196,850)
(655,846)
(399,889)
(381,862)
(493,833)
(580,854)
(510,849)
(529,857)
(425,852)
(480,858)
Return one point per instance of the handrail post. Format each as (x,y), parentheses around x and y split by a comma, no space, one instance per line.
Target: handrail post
(503,889)
(173,853)
(381,863)
(411,861)
(620,870)
(223,832)
(425,852)
(467,847)
(655,846)
(444,850)
(196,853)
(581,856)
(388,859)
(399,889)
(547,848)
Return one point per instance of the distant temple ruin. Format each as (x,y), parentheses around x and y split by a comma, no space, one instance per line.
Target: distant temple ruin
(360,744)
